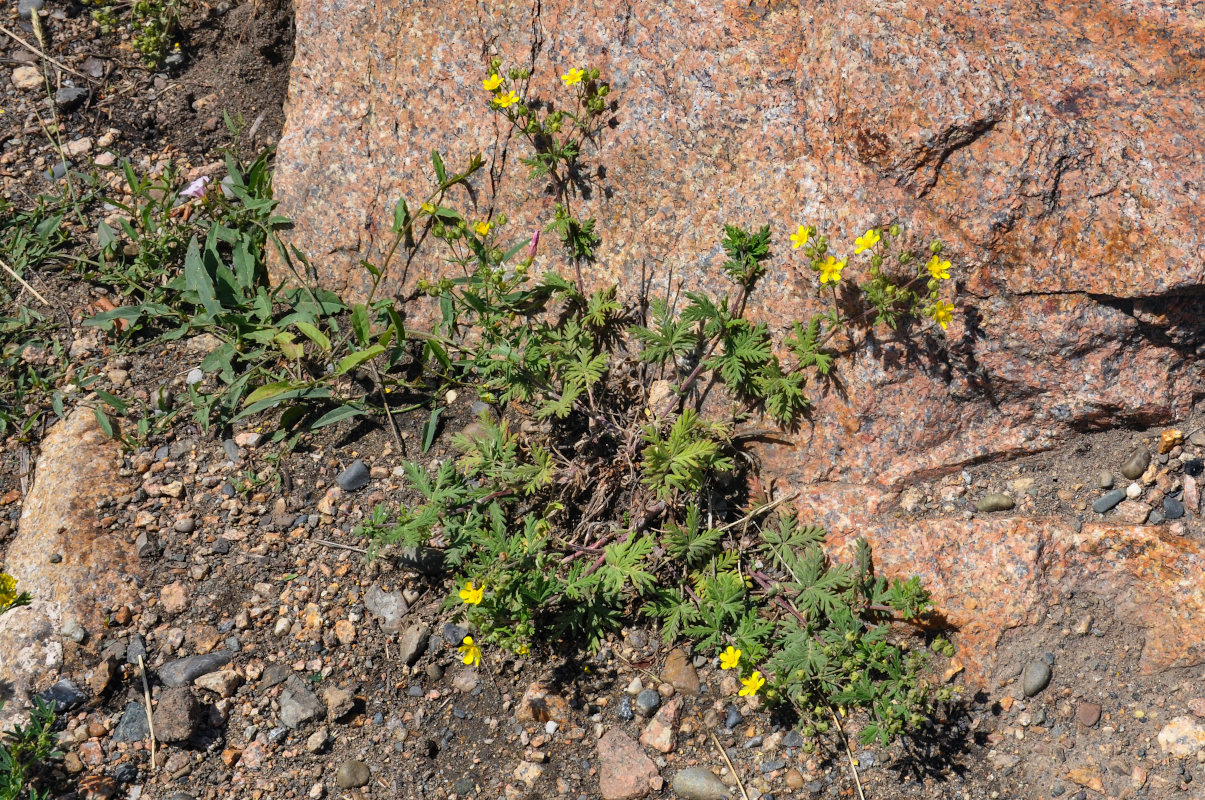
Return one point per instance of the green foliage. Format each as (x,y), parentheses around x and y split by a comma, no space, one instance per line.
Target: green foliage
(23,752)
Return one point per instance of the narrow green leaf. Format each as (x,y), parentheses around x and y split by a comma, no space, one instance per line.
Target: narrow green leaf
(359,323)
(441,171)
(337,415)
(357,358)
(430,428)
(312,333)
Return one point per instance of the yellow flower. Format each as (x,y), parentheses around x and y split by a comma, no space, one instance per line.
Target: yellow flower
(470,651)
(730,658)
(506,100)
(800,237)
(482,228)
(866,241)
(942,313)
(8,590)
(830,271)
(470,595)
(752,684)
(428,208)
(492,82)
(521,650)
(572,76)
(939,269)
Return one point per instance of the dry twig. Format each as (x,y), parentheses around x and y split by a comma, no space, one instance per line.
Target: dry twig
(150,718)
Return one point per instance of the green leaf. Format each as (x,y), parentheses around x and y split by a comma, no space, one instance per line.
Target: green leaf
(430,427)
(285,341)
(103,420)
(441,171)
(359,323)
(337,415)
(312,333)
(198,280)
(269,391)
(357,358)
(401,216)
(115,403)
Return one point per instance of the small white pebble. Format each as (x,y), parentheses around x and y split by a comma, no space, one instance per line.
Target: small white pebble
(550,726)
(1134,490)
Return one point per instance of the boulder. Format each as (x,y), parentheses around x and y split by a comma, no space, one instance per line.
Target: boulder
(1049,144)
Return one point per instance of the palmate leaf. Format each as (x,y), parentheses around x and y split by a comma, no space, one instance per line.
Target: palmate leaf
(819,584)
(668,338)
(625,563)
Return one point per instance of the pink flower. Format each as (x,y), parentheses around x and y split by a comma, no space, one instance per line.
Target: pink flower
(197,188)
(535,242)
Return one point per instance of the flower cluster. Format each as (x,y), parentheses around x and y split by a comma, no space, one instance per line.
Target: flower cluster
(8,592)
(751,685)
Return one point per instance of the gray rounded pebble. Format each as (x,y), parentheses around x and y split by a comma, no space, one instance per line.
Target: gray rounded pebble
(352,774)
(27,8)
(1104,479)
(647,702)
(1136,464)
(1108,500)
(698,783)
(994,502)
(1035,677)
(1172,508)
(733,719)
(185,525)
(231,449)
(354,477)
(69,97)
(625,708)
(186,670)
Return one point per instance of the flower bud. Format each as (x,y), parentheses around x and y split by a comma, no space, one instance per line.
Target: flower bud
(895,230)
(935,247)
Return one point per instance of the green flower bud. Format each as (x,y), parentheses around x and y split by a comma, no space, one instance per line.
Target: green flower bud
(876,261)
(935,247)
(895,230)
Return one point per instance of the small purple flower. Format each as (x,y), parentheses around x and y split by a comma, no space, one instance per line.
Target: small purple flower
(197,188)
(535,242)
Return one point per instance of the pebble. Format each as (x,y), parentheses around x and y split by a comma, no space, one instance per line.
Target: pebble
(680,673)
(27,77)
(299,706)
(1172,508)
(1108,500)
(1182,737)
(317,740)
(1134,491)
(1136,464)
(994,502)
(352,774)
(733,718)
(1104,479)
(1035,677)
(232,453)
(389,608)
(624,771)
(354,477)
(27,8)
(69,97)
(133,726)
(224,682)
(647,702)
(698,783)
(187,670)
(625,708)
(413,644)
(635,687)
(1087,714)
(185,525)
(177,715)
(64,694)
(1132,512)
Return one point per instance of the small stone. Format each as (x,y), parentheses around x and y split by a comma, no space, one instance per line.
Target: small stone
(1084,626)
(231,450)
(79,147)
(1108,500)
(339,702)
(102,675)
(1169,440)
(65,695)
(184,525)
(647,702)
(528,772)
(1134,491)
(223,682)
(68,98)
(354,477)
(423,560)
(1104,479)
(659,734)
(187,670)
(1182,737)
(624,771)
(465,680)
(299,706)
(173,598)
(1136,464)
(635,687)
(539,704)
(680,673)
(387,607)
(177,715)
(697,783)
(317,740)
(27,8)
(146,545)
(625,712)
(345,632)
(413,644)
(194,376)
(1087,714)
(248,438)
(1035,677)
(733,718)
(994,502)
(352,774)
(27,77)
(1132,512)
(1172,508)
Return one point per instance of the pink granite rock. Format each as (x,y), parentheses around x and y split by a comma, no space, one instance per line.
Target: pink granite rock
(1052,145)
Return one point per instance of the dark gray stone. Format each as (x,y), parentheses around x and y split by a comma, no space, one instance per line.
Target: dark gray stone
(1108,500)
(177,715)
(65,695)
(135,648)
(186,670)
(1035,677)
(27,8)
(1172,508)
(413,644)
(647,702)
(625,709)
(423,560)
(133,726)
(231,449)
(733,718)
(354,477)
(454,634)
(68,98)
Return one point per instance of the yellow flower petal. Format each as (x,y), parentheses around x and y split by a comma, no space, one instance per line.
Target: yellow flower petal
(492,82)
(573,76)
(866,241)
(730,658)
(800,237)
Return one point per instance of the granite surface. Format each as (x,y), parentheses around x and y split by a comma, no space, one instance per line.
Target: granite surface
(1052,145)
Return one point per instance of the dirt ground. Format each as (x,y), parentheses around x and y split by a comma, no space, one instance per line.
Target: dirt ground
(261,563)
